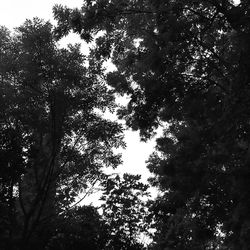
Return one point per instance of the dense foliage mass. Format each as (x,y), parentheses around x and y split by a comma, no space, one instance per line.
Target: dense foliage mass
(54,143)
(185,66)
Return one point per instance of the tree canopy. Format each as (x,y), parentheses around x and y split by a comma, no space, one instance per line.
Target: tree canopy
(54,142)
(185,66)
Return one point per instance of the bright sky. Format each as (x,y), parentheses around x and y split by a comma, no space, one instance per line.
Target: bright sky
(14,12)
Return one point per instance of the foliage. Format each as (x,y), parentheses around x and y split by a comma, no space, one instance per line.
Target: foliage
(125,211)
(79,228)
(53,140)
(184,64)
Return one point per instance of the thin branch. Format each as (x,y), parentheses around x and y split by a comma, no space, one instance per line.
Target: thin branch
(196,13)
(85,195)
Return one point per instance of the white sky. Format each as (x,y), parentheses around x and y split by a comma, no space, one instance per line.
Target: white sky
(14,12)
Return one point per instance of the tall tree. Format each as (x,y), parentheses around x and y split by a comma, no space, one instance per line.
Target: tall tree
(184,64)
(54,142)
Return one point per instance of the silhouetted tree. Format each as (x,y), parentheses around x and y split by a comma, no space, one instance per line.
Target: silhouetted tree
(53,140)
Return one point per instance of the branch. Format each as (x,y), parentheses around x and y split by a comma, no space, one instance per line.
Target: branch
(85,195)
(196,13)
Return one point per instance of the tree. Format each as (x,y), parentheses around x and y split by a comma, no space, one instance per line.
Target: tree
(54,142)
(184,65)
(125,211)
